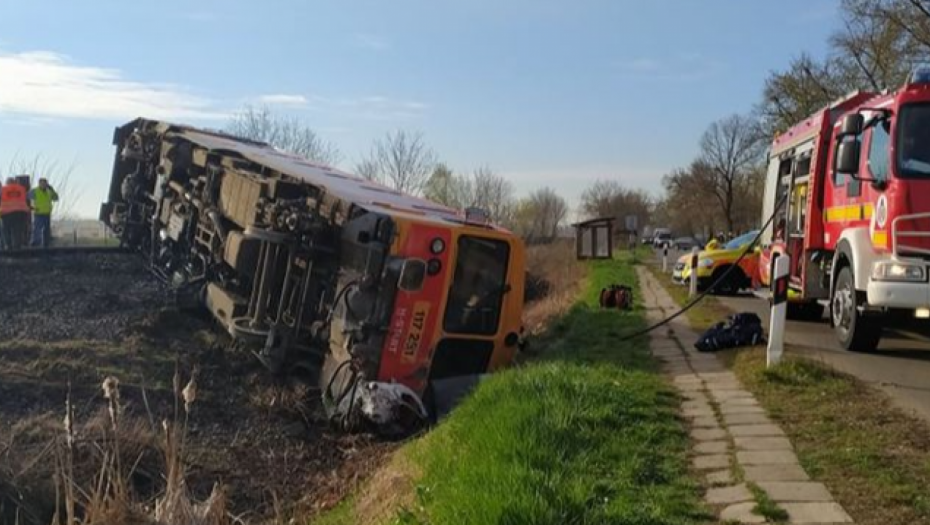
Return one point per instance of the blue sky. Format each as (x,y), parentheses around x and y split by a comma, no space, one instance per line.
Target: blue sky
(543,92)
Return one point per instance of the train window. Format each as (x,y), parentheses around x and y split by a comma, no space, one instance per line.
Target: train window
(478,286)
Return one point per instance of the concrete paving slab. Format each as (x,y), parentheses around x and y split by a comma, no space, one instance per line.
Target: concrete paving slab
(766,457)
(690,378)
(762,443)
(796,491)
(695,405)
(728,495)
(719,376)
(705,422)
(746,419)
(728,395)
(740,409)
(767,430)
(741,513)
(706,367)
(811,513)
(788,472)
(711,461)
(741,402)
(708,434)
(693,413)
(693,395)
(720,477)
(712,447)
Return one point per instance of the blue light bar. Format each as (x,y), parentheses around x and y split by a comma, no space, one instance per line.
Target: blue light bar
(920,75)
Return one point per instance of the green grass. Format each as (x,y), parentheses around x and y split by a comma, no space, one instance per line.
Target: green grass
(586,433)
(766,506)
(873,458)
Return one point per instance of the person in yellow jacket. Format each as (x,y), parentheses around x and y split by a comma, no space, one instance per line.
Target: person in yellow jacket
(14,212)
(41,199)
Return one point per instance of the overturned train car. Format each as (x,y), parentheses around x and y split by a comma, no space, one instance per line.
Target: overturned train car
(382,296)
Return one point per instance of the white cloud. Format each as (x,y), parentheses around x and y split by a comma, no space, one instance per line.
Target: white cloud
(43,83)
(284,100)
(370,42)
(369,107)
(686,66)
(642,65)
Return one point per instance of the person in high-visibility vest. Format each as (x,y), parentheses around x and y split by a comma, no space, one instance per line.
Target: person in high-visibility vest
(14,212)
(41,199)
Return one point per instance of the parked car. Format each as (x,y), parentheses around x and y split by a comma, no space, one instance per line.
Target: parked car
(661,237)
(685,243)
(712,264)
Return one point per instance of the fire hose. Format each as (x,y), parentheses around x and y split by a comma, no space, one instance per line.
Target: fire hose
(722,278)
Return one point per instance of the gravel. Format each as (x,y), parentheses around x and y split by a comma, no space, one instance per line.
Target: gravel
(75,297)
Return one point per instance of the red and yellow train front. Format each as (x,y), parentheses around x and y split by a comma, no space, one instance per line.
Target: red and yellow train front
(459,313)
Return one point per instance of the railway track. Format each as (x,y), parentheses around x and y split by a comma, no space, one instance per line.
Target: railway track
(58,251)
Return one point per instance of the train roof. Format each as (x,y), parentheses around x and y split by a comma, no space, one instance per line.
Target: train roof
(367,194)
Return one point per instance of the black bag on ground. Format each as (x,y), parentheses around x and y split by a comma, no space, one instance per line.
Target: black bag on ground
(743,329)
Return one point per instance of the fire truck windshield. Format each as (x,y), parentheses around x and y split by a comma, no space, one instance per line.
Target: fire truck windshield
(478,286)
(913,137)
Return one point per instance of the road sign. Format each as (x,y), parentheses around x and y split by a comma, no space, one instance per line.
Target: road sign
(631,223)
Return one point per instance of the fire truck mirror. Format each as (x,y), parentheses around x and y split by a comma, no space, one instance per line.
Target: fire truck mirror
(412,275)
(847,157)
(852,125)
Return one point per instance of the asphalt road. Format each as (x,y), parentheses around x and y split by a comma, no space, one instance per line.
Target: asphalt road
(900,366)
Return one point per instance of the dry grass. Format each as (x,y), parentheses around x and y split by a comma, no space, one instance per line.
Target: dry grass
(103,471)
(559,278)
(874,458)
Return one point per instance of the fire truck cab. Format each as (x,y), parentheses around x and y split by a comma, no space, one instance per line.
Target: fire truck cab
(850,191)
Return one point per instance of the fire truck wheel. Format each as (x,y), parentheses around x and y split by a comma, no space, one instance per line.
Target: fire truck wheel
(856,332)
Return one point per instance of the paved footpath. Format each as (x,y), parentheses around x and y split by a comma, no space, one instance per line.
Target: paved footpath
(735,445)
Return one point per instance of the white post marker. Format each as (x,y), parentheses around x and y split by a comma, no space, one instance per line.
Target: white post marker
(665,259)
(779,310)
(694,272)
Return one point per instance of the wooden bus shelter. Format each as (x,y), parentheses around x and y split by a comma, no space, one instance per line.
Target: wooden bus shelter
(594,239)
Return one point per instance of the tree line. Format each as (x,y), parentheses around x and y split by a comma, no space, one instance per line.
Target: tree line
(720,190)
(876,47)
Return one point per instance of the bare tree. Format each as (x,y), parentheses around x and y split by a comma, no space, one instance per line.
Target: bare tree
(445,187)
(368,169)
(404,161)
(60,176)
(877,46)
(494,194)
(285,133)
(807,86)
(609,198)
(730,149)
(540,215)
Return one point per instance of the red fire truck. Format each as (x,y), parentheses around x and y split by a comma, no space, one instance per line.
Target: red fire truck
(850,191)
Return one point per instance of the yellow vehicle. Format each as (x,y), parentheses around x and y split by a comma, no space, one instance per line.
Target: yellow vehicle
(714,263)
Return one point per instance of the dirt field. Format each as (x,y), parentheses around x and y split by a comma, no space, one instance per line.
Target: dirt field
(74,320)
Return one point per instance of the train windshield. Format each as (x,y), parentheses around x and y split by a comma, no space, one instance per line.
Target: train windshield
(478,286)
(913,134)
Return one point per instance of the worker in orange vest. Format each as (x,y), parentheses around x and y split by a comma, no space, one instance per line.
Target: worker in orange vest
(14,212)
